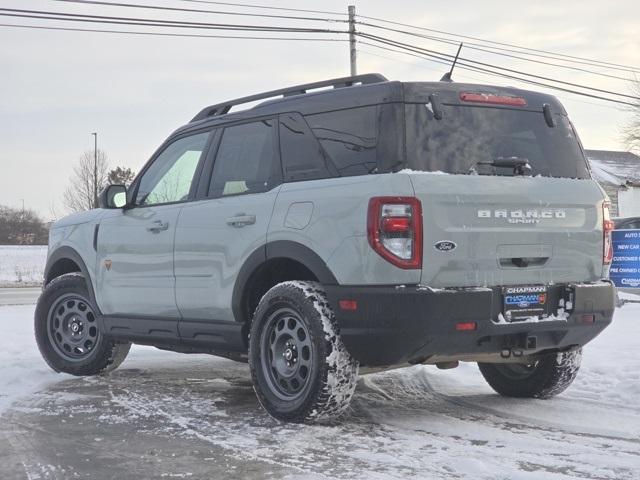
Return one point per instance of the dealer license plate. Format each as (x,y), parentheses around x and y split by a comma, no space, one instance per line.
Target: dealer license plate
(522,302)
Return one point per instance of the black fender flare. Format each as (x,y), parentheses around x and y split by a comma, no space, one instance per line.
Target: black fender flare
(68,253)
(278,249)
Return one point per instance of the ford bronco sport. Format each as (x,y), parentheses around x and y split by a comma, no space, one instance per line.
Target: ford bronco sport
(355,222)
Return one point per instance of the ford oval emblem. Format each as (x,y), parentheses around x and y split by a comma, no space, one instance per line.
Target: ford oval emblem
(445,246)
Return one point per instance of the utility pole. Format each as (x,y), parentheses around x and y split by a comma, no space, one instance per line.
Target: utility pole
(95,170)
(352,39)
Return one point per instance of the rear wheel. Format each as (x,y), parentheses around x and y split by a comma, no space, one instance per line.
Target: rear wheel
(548,376)
(67,332)
(301,370)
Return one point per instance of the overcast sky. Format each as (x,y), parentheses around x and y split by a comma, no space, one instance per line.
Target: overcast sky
(57,87)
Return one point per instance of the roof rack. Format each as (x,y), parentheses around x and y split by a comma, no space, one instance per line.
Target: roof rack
(223,108)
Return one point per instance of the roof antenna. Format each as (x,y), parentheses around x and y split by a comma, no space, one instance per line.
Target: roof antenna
(447,76)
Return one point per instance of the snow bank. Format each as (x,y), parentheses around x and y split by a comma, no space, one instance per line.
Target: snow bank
(22,265)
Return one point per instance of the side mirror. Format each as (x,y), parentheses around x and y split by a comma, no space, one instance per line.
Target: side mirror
(114,196)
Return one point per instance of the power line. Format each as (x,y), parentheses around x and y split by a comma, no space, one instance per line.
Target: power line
(463,64)
(166,34)
(422,57)
(219,26)
(472,46)
(488,65)
(474,68)
(421,52)
(265,7)
(537,52)
(195,10)
(447,64)
(157,23)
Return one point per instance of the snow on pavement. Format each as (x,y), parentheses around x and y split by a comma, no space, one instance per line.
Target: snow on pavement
(417,422)
(22,369)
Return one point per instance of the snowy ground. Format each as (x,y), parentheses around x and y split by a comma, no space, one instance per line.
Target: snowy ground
(22,265)
(165,415)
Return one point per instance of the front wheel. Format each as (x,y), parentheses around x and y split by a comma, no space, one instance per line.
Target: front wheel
(301,371)
(548,376)
(67,333)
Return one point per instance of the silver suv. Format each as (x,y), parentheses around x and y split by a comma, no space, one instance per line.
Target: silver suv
(356,222)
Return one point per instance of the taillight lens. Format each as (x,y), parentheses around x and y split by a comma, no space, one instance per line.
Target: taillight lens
(607,228)
(394,230)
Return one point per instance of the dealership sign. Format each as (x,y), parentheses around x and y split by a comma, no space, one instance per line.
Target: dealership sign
(625,268)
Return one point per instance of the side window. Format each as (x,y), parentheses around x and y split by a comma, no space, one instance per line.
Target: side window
(349,137)
(302,156)
(245,162)
(169,177)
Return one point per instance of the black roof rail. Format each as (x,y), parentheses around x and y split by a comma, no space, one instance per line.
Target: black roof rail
(223,108)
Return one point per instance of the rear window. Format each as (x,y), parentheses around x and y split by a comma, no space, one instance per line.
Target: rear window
(469,137)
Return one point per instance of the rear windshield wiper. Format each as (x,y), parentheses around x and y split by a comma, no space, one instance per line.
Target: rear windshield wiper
(520,165)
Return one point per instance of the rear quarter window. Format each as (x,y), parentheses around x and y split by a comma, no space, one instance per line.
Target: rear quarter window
(349,137)
(303,158)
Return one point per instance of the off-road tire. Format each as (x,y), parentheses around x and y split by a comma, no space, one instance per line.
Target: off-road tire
(287,311)
(548,377)
(103,355)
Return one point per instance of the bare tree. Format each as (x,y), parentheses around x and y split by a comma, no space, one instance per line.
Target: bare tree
(121,175)
(631,133)
(81,193)
(21,227)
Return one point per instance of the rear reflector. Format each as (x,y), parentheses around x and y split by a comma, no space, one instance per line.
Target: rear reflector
(466,326)
(348,304)
(588,319)
(607,228)
(493,99)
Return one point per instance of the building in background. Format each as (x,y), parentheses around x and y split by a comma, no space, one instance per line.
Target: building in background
(619,175)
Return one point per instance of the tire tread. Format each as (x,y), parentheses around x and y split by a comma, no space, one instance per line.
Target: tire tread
(339,373)
(110,354)
(552,376)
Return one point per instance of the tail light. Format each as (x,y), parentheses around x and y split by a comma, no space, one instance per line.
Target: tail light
(394,230)
(607,228)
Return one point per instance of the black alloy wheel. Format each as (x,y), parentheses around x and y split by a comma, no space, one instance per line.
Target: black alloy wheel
(288,362)
(72,327)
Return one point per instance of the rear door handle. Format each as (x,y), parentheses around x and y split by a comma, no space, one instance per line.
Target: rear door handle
(241,220)
(158,226)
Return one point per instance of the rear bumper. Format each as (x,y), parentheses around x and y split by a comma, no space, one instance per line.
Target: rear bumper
(395,325)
